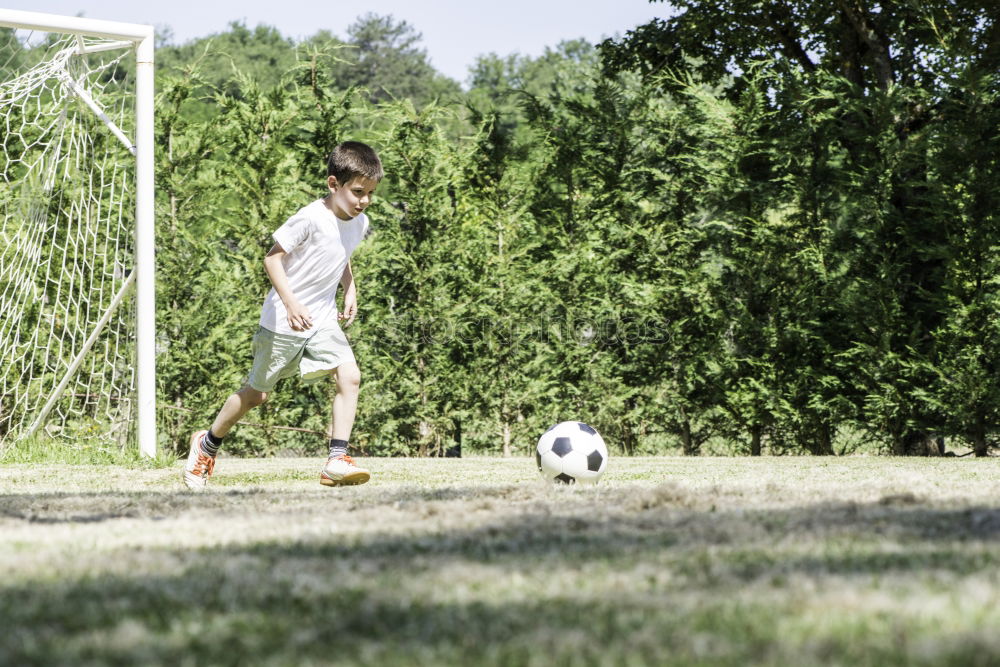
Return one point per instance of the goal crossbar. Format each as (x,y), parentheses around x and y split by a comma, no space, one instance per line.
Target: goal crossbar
(75,25)
(142,38)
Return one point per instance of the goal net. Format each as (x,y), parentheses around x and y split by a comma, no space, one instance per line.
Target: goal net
(69,332)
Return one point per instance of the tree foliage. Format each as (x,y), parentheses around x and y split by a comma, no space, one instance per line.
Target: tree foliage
(860,100)
(752,227)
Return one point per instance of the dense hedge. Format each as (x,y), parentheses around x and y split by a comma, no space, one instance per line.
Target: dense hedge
(775,261)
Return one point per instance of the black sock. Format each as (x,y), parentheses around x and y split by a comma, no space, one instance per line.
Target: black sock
(210,443)
(338,448)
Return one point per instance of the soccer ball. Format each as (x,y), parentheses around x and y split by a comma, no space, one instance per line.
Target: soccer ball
(571,452)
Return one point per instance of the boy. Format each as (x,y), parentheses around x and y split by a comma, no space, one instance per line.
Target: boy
(299,329)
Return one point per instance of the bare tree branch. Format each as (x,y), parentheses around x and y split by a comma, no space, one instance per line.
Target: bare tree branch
(784,29)
(859,20)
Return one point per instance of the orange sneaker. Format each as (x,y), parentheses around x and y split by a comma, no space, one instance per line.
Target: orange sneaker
(341,471)
(199,466)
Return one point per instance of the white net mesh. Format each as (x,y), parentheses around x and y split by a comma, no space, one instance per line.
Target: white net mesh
(67,328)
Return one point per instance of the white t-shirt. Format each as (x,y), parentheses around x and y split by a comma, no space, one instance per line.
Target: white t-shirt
(317,245)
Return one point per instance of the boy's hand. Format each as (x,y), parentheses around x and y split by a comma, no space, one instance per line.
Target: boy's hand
(350,308)
(299,318)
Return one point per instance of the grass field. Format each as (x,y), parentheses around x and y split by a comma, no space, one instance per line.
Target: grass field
(780,561)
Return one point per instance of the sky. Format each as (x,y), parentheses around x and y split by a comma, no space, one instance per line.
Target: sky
(454,31)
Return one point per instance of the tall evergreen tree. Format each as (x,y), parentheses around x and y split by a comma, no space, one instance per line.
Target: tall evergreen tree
(880,76)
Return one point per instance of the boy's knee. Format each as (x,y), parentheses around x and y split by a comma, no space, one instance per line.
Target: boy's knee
(348,378)
(253,397)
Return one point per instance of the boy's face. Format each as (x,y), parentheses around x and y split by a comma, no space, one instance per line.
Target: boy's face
(352,198)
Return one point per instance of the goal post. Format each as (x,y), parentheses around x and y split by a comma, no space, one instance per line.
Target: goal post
(44,346)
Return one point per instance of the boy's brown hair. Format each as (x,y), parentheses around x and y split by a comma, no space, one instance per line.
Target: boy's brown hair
(353,158)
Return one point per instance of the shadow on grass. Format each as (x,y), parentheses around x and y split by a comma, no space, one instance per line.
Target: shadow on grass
(172,621)
(386,598)
(96,506)
(605,516)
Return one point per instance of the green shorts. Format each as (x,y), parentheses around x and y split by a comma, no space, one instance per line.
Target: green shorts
(277,356)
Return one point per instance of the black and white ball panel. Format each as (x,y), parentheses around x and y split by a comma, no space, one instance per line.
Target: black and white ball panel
(571,452)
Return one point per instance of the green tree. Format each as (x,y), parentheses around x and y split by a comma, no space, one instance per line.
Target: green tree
(873,81)
(261,54)
(385,58)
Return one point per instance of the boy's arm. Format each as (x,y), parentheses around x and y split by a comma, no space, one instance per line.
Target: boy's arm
(350,296)
(299,318)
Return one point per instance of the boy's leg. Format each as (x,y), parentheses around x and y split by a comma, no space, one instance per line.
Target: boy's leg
(340,469)
(345,401)
(201,453)
(235,407)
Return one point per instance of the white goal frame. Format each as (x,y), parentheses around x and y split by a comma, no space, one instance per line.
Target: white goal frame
(141,38)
